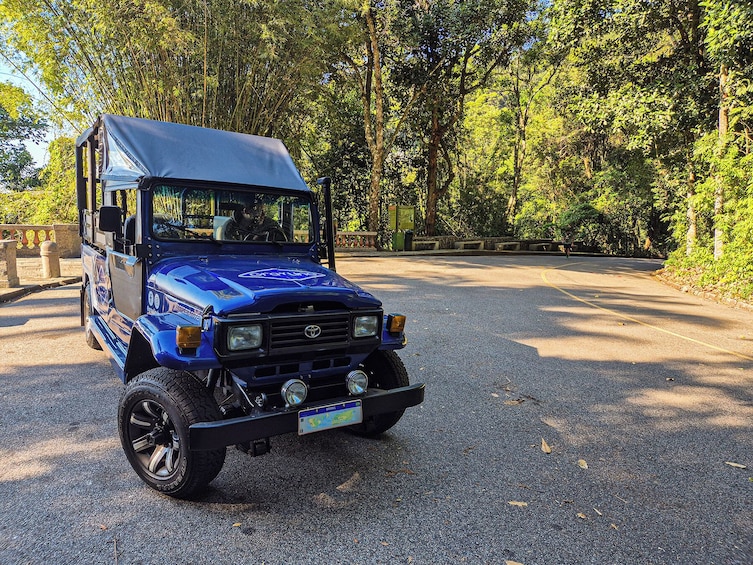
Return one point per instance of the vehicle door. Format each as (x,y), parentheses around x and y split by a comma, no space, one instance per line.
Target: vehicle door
(125,268)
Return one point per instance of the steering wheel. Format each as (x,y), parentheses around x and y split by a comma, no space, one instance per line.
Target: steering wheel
(234,231)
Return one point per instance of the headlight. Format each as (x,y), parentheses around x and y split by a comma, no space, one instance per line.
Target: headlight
(244,337)
(365,326)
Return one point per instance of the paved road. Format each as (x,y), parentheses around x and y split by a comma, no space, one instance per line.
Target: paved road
(643,394)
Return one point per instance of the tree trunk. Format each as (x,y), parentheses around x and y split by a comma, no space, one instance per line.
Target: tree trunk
(377,142)
(692,233)
(719,189)
(432,169)
(375,189)
(519,155)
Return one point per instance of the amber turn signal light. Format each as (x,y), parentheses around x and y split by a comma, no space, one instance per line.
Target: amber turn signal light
(188,337)
(395,323)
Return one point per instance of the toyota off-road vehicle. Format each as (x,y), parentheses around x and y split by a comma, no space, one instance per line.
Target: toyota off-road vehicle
(203,280)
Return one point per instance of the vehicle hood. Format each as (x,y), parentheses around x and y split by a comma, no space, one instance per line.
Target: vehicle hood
(235,284)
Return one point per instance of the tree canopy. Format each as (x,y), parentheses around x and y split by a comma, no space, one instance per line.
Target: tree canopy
(625,123)
(19,122)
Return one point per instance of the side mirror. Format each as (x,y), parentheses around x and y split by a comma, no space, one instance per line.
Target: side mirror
(110,219)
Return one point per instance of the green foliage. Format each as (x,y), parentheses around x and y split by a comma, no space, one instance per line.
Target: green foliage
(17,169)
(334,146)
(729,27)
(450,50)
(54,202)
(19,122)
(730,276)
(232,65)
(57,202)
(521,118)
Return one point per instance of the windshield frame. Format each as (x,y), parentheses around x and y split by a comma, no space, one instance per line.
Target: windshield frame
(194,213)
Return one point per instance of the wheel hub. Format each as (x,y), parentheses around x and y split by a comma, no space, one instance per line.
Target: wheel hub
(160,436)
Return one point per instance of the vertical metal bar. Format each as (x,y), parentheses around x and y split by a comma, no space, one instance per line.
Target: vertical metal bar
(326,184)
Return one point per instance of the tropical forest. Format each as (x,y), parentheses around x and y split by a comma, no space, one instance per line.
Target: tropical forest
(625,123)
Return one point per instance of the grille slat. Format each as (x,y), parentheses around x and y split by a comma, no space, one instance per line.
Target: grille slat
(289,332)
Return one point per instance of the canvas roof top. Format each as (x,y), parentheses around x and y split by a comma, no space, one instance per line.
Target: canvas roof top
(141,149)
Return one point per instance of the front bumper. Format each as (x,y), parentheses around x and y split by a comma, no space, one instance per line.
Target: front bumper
(214,435)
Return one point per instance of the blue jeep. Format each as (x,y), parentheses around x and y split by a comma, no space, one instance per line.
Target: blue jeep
(203,281)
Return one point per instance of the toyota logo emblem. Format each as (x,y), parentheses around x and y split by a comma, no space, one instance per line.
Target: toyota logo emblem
(312,332)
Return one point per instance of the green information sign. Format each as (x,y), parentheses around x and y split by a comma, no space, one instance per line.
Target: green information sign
(402,217)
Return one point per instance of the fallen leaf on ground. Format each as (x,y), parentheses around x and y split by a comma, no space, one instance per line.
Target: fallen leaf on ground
(495,395)
(735,465)
(582,464)
(613,526)
(385,544)
(545,446)
(391,473)
(597,511)
(350,483)
(581,515)
(237,525)
(508,562)
(517,503)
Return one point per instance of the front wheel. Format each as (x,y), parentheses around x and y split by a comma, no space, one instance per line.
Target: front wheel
(386,371)
(155,412)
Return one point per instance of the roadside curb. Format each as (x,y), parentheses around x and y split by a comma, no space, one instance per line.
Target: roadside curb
(33,288)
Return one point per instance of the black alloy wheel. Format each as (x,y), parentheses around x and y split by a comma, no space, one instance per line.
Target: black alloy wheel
(156,410)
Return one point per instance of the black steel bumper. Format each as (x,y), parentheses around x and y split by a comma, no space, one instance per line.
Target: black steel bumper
(214,435)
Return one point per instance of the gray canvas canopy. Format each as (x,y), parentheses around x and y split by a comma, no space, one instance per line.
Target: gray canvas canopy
(137,149)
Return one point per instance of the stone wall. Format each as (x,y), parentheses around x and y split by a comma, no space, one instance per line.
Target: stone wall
(28,238)
(68,240)
(8,273)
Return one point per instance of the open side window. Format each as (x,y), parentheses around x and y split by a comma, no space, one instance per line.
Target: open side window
(97,205)
(89,190)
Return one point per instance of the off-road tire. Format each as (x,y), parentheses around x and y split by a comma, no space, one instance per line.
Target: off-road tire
(91,340)
(386,371)
(155,412)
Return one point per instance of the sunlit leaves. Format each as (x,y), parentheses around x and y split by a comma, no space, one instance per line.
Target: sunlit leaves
(218,63)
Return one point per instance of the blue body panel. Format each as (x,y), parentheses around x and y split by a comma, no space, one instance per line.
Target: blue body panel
(180,290)
(234,284)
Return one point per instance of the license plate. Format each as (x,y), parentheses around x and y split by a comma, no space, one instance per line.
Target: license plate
(328,417)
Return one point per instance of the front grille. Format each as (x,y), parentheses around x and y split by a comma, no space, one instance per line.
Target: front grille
(290,332)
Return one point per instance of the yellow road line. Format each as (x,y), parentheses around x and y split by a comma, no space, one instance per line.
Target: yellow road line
(636,320)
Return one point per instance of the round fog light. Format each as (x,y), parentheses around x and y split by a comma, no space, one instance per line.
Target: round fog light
(357,382)
(294,392)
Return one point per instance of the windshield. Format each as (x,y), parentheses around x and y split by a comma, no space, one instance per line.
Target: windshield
(180,213)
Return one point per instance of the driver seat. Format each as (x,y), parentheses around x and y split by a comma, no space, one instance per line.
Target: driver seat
(219,227)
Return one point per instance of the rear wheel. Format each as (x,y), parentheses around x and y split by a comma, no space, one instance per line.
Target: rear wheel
(386,371)
(156,410)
